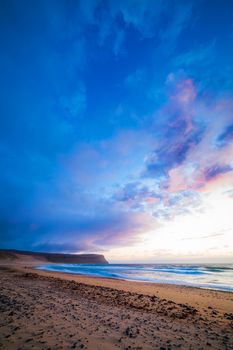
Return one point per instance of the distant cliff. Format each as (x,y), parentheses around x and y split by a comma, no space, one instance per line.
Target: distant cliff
(55,257)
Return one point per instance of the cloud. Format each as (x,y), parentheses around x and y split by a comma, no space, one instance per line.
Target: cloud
(203,237)
(226,136)
(215,170)
(229,193)
(192,129)
(175,204)
(69,203)
(113,21)
(64,247)
(66,222)
(200,57)
(137,196)
(180,15)
(179,131)
(142,15)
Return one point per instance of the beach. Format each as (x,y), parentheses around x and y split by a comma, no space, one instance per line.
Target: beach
(52,310)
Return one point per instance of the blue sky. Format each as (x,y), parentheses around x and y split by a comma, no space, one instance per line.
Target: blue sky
(117,128)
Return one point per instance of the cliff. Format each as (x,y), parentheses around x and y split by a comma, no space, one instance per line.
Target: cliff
(54,257)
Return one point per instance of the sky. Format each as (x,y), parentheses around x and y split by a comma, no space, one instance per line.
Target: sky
(116,129)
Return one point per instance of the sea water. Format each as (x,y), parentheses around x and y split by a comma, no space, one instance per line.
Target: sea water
(214,276)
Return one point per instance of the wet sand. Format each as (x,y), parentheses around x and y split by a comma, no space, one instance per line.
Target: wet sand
(50,310)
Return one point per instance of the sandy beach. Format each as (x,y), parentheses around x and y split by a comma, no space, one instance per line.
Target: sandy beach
(50,310)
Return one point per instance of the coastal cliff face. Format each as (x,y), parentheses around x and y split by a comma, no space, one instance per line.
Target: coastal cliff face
(55,257)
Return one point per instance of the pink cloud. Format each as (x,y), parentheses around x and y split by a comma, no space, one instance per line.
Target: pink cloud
(116,235)
(182,97)
(152,200)
(191,174)
(185,92)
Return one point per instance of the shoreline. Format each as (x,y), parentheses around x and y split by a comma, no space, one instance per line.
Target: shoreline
(137,281)
(215,298)
(55,310)
(165,290)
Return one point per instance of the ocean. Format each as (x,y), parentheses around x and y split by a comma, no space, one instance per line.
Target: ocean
(210,276)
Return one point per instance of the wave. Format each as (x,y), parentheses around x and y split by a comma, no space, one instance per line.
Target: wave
(204,276)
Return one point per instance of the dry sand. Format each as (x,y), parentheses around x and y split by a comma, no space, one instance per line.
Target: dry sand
(49,310)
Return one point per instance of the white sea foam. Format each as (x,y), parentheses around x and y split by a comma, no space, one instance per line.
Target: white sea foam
(218,277)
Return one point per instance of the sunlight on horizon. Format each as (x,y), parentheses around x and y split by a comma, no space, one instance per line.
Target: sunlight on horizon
(202,235)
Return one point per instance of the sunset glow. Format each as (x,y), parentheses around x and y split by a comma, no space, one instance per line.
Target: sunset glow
(117,129)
